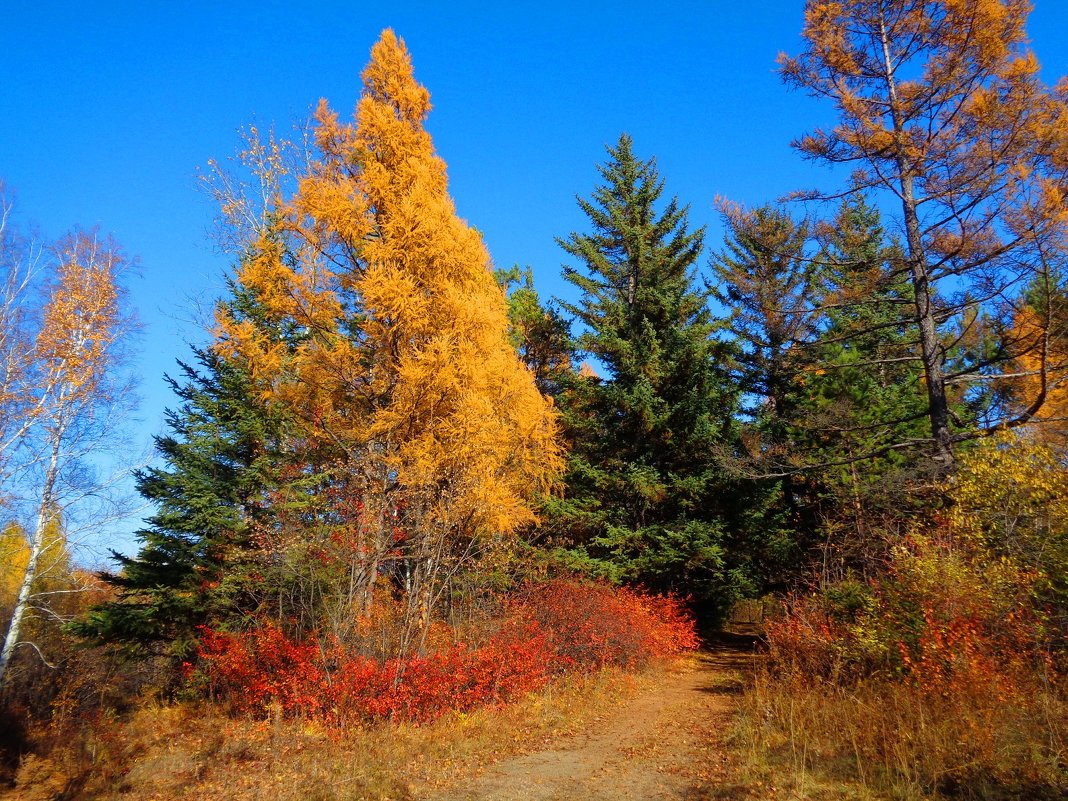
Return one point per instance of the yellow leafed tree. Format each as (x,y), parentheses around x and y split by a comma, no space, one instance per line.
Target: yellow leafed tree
(1040,377)
(401,359)
(73,381)
(14,556)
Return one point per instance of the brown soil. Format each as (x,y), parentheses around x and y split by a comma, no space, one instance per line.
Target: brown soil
(665,744)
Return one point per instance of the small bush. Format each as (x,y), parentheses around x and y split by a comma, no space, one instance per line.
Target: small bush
(592,625)
(940,678)
(552,628)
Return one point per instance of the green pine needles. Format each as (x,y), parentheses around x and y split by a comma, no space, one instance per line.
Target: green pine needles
(645,492)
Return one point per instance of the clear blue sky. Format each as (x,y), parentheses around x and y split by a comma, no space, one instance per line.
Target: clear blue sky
(107,109)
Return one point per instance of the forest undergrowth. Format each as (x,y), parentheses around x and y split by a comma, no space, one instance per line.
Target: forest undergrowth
(349,725)
(196,749)
(942,676)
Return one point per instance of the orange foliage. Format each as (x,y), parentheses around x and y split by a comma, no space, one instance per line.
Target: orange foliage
(940,103)
(1041,375)
(552,628)
(592,625)
(83,318)
(936,619)
(402,363)
(67,386)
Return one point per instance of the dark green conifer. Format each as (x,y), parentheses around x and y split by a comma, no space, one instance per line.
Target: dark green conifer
(863,406)
(194,565)
(645,493)
(864,386)
(767,284)
(539,333)
(768,287)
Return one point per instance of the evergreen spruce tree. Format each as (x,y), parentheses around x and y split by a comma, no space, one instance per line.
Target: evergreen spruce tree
(863,396)
(539,333)
(194,564)
(645,493)
(769,285)
(829,367)
(864,387)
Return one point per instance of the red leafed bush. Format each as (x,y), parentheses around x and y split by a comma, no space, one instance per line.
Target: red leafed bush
(264,666)
(810,642)
(591,625)
(551,628)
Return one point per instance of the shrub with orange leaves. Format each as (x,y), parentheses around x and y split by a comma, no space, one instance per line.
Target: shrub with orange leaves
(947,671)
(936,613)
(550,628)
(591,625)
(941,682)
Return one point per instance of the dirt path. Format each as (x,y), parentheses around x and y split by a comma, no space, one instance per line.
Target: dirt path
(662,745)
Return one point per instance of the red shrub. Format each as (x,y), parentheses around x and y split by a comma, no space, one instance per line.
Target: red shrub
(809,642)
(263,666)
(591,625)
(552,628)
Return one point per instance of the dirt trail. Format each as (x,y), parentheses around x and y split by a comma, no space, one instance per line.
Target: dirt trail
(662,745)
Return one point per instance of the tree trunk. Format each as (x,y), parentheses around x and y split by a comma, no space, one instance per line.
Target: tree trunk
(45,512)
(931,352)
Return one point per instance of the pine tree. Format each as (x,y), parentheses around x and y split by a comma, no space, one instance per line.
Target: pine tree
(864,383)
(861,404)
(769,284)
(197,555)
(644,497)
(539,334)
(767,281)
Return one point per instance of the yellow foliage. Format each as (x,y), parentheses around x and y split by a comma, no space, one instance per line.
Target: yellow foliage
(53,568)
(465,408)
(14,556)
(82,317)
(403,360)
(1011,511)
(1041,380)
(1009,481)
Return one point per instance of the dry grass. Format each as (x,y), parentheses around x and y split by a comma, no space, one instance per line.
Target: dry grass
(195,751)
(882,739)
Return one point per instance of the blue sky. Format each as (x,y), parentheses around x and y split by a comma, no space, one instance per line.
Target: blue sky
(107,109)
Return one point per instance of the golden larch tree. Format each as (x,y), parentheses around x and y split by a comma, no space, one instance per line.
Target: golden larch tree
(402,361)
(940,105)
(1040,376)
